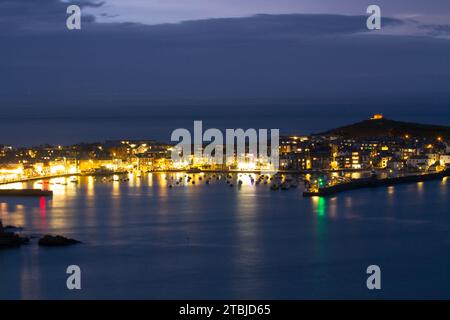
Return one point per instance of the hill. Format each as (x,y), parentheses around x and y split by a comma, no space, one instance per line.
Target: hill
(378,126)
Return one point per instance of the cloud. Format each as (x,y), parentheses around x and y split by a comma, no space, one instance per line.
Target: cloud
(265,26)
(258,57)
(30,16)
(436,30)
(163,11)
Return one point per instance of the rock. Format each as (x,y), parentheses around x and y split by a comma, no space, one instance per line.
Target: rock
(8,227)
(56,241)
(9,239)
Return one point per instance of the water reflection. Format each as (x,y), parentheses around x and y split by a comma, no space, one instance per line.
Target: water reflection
(30,276)
(250,251)
(150,179)
(319,208)
(42,206)
(420,186)
(116,199)
(90,189)
(115,192)
(332,208)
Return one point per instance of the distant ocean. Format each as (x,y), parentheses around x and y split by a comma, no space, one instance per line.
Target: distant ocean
(42,122)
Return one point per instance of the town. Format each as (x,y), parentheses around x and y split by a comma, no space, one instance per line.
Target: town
(394,154)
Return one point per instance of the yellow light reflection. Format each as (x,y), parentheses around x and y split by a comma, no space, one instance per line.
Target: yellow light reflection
(391,190)
(90,186)
(319,205)
(150,179)
(131,180)
(115,188)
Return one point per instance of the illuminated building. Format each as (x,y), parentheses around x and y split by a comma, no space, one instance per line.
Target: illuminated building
(344,160)
(420,162)
(377,116)
(356,160)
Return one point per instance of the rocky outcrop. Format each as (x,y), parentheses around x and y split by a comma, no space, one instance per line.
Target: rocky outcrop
(56,241)
(11,239)
(12,228)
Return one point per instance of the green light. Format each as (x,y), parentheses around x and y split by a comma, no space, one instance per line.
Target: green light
(321,207)
(321,182)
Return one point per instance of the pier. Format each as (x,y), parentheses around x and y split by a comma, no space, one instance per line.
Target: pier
(36,177)
(25,193)
(375,182)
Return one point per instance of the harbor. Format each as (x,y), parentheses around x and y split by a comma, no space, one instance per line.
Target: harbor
(142,223)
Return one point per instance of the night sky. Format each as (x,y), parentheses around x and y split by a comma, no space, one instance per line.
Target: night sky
(312,61)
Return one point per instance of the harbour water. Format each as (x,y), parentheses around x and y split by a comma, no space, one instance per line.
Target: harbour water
(142,239)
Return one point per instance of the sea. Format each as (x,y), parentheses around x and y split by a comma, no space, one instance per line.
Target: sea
(142,239)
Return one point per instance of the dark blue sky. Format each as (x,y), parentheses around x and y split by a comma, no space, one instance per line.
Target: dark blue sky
(124,64)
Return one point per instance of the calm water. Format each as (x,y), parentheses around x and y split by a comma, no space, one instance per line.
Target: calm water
(144,240)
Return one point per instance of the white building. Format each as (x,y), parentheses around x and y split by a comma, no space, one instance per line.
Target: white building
(421,162)
(444,159)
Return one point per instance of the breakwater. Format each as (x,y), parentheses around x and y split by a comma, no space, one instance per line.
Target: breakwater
(25,193)
(375,182)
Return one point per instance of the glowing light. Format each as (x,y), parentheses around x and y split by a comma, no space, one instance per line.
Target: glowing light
(16,171)
(377,116)
(57,169)
(321,183)
(246,166)
(72,170)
